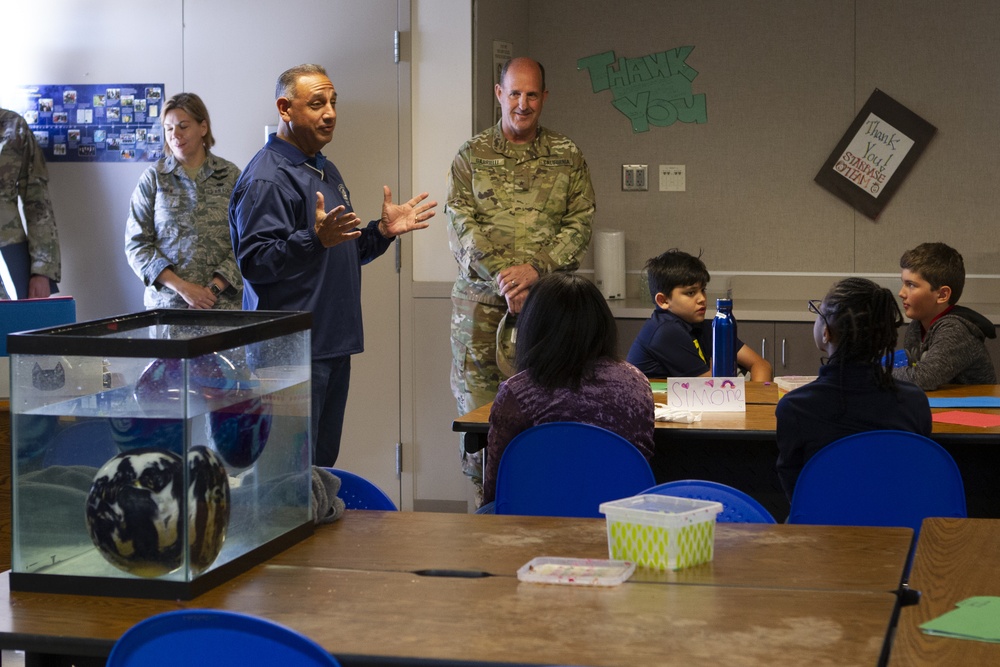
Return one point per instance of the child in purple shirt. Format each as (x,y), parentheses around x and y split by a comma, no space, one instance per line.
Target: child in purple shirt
(568,371)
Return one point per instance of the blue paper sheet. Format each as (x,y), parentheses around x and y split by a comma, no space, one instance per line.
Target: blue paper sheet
(29,314)
(965,402)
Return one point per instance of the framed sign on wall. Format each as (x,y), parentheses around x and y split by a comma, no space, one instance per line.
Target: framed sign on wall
(876,153)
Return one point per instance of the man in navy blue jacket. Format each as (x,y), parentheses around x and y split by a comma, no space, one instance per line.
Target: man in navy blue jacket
(298,245)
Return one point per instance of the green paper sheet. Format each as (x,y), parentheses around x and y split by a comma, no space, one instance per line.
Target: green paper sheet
(976,618)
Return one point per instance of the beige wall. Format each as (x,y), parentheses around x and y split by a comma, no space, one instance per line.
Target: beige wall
(442,120)
(441,84)
(783,80)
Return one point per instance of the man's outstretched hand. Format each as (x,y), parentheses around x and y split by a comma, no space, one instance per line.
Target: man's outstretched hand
(402,218)
(335,226)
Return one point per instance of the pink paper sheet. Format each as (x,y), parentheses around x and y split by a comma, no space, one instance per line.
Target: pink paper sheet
(964,418)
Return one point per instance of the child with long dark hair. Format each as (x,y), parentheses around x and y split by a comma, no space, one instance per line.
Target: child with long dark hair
(568,370)
(856,328)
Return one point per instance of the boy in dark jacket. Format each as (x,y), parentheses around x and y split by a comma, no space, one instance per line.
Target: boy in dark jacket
(944,342)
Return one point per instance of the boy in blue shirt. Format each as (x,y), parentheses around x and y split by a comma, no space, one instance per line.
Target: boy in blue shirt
(944,342)
(675,341)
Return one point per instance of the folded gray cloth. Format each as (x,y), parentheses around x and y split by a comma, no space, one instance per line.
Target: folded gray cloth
(53,500)
(327,506)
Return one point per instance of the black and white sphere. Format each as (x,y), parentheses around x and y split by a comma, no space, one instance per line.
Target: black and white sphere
(208,506)
(134,510)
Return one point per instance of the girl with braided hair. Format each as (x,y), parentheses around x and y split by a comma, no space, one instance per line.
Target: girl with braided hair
(856,328)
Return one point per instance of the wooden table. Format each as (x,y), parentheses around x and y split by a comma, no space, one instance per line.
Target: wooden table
(758,394)
(955,560)
(349,587)
(825,557)
(739,448)
(361,616)
(758,422)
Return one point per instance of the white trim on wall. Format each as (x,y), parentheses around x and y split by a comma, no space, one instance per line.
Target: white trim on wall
(442,118)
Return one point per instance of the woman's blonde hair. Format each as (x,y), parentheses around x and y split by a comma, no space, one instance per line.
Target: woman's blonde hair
(192,105)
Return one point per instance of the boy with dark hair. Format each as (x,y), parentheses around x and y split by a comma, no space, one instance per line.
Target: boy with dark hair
(944,342)
(675,341)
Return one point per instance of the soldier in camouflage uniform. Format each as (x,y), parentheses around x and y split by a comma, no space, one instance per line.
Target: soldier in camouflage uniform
(23,174)
(520,204)
(177,234)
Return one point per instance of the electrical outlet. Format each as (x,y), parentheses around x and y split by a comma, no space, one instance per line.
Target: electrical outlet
(635,177)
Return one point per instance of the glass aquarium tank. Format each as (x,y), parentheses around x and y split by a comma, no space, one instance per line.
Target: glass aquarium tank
(158,454)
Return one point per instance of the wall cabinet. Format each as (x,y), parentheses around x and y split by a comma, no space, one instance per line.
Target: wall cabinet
(993,347)
(628,329)
(788,346)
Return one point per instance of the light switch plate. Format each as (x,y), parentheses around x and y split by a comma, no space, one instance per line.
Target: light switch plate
(672,178)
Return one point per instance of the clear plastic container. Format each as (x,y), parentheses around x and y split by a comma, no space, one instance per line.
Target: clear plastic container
(576,571)
(661,532)
(786,383)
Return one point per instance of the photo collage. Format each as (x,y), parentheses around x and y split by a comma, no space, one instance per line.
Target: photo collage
(96,123)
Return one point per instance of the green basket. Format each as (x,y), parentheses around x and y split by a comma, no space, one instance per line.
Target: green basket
(661,532)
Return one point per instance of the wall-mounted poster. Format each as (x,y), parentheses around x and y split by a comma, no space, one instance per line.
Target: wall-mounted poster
(117,122)
(875,155)
(650,90)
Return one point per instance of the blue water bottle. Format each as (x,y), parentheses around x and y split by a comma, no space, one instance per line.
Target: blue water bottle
(724,339)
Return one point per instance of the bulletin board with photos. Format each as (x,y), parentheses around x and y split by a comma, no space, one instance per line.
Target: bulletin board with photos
(95,122)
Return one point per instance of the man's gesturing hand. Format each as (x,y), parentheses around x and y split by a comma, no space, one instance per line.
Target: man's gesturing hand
(399,219)
(335,226)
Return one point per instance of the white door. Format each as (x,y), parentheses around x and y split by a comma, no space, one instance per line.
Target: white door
(233,54)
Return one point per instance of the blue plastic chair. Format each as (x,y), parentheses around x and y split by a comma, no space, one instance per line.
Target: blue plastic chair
(488,508)
(214,637)
(568,469)
(879,478)
(737,506)
(360,494)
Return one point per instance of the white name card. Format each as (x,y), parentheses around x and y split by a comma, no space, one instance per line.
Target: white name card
(707,394)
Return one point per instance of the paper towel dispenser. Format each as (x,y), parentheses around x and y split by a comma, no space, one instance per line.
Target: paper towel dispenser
(609,263)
